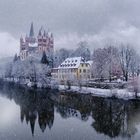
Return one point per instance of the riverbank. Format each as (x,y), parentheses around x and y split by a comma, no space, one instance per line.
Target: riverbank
(49,83)
(106,93)
(117,93)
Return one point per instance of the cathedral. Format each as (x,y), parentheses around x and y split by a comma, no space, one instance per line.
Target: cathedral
(32,44)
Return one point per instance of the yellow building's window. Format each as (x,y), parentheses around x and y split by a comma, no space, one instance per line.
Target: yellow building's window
(84,70)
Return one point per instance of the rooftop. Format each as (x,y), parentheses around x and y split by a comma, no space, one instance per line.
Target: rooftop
(73,62)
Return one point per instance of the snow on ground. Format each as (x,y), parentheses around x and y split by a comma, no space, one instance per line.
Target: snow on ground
(118,93)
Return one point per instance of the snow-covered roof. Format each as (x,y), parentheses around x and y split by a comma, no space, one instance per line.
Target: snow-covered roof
(24,51)
(90,62)
(33,44)
(72,62)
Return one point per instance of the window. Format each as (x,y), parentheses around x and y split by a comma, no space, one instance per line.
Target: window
(80,70)
(84,70)
(86,65)
(82,65)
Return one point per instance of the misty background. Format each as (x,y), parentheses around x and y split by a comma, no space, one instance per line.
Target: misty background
(99,22)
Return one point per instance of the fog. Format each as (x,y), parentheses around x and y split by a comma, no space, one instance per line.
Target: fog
(99,22)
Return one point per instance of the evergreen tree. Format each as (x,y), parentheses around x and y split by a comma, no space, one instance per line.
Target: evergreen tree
(44,59)
(15,58)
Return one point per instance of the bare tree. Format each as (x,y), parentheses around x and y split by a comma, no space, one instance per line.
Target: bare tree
(105,62)
(125,58)
(99,63)
(134,65)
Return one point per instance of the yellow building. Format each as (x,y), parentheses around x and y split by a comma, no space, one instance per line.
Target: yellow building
(74,68)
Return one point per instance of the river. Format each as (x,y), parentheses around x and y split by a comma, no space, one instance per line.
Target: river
(27,114)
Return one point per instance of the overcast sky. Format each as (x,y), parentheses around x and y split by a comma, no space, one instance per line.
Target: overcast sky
(99,22)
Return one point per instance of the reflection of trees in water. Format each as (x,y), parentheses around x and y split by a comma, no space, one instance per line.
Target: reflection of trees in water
(108,116)
(115,118)
(111,117)
(33,105)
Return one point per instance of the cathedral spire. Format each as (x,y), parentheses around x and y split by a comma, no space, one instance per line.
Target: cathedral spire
(44,33)
(31,30)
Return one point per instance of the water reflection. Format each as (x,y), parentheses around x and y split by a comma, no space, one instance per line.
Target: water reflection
(111,117)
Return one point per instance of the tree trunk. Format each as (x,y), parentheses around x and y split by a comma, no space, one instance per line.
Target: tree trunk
(126,77)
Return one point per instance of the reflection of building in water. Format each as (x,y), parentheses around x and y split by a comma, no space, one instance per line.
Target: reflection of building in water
(67,112)
(73,106)
(111,117)
(41,109)
(45,114)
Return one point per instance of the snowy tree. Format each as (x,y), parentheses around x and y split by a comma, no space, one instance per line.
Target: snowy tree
(15,58)
(105,63)
(29,70)
(8,70)
(100,58)
(134,64)
(112,65)
(125,59)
